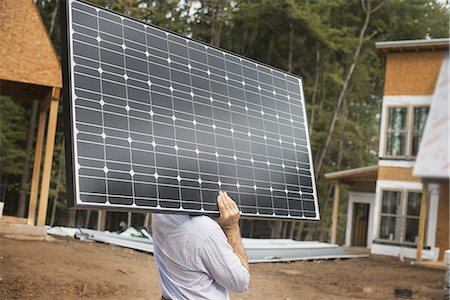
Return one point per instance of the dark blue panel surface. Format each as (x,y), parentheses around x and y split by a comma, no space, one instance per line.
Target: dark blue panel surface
(160,122)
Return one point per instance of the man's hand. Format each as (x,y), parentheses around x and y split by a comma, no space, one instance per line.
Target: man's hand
(229,221)
(229,212)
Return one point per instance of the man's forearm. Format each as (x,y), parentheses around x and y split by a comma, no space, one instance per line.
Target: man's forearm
(233,234)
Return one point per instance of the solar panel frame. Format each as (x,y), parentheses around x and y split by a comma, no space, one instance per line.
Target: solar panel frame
(71,130)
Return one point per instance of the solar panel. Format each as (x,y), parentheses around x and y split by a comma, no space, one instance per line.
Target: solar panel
(159,122)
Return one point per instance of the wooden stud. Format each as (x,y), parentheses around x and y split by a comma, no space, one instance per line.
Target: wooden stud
(422,221)
(101,218)
(48,158)
(146,220)
(129,219)
(37,167)
(334,220)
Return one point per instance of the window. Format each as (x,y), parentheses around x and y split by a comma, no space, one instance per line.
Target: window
(390,216)
(404,130)
(396,134)
(420,118)
(399,220)
(412,217)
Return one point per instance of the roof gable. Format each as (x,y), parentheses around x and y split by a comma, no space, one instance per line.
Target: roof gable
(26,51)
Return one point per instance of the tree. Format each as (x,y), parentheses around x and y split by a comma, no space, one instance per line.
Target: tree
(323,41)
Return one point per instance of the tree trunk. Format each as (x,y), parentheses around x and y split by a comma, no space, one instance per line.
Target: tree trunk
(292,230)
(291,46)
(53,215)
(87,219)
(285,226)
(53,20)
(4,188)
(276,229)
(58,182)
(269,52)
(311,231)
(216,23)
(314,92)
(147,220)
(26,167)
(344,88)
(298,236)
(342,137)
(72,215)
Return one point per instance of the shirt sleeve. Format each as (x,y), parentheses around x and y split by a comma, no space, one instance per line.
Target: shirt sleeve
(222,264)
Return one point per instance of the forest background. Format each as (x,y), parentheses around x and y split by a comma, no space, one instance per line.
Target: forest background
(330,43)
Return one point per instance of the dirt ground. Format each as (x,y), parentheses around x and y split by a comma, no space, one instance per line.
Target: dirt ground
(70,269)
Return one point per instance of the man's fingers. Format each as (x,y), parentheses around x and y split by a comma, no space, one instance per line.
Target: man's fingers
(226,204)
(220,203)
(231,201)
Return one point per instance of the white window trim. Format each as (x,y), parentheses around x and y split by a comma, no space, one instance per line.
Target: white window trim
(389,185)
(404,193)
(393,101)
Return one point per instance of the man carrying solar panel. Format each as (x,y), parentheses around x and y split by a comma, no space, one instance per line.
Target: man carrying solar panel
(198,257)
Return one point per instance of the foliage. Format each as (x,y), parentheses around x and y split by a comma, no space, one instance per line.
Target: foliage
(315,39)
(13,134)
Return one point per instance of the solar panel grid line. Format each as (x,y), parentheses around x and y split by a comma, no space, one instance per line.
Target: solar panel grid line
(153,140)
(297,158)
(141,165)
(86,75)
(137,102)
(133,203)
(265,139)
(219,183)
(139,137)
(191,73)
(235,158)
(156,92)
(282,157)
(195,202)
(286,171)
(123,100)
(196,139)
(144,119)
(175,134)
(252,159)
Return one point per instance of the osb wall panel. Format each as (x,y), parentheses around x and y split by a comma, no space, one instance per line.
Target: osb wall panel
(26,52)
(412,73)
(397,174)
(363,186)
(442,232)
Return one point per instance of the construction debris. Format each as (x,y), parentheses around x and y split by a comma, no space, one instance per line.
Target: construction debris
(258,250)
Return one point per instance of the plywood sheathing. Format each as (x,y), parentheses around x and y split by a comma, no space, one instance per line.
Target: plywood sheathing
(412,73)
(443,226)
(26,51)
(397,174)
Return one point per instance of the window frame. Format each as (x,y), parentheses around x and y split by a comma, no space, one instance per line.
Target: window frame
(403,216)
(408,130)
(412,130)
(381,214)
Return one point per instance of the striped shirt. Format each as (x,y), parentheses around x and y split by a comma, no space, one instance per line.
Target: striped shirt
(194,258)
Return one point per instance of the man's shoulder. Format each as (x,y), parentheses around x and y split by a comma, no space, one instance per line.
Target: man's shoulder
(202,227)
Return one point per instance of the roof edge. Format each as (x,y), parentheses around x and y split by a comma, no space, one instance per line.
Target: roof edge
(351,172)
(413,45)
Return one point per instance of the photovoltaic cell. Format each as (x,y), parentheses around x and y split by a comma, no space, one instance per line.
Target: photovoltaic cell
(159,122)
